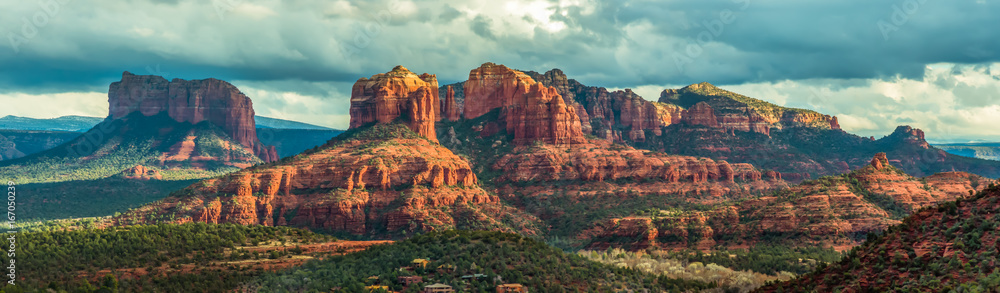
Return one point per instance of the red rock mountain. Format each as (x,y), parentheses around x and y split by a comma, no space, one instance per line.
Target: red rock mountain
(704,120)
(190,101)
(398,93)
(530,110)
(821,212)
(737,112)
(378,180)
(623,116)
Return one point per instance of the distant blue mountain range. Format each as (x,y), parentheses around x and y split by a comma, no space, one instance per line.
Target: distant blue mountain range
(84,123)
(64,123)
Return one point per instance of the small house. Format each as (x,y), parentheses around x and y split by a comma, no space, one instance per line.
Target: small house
(508,288)
(420,263)
(438,288)
(409,280)
(445,269)
(376,288)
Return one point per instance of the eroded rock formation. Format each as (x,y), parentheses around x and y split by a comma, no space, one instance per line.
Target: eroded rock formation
(398,93)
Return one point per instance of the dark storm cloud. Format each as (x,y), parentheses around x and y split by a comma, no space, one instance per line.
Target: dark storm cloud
(603,42)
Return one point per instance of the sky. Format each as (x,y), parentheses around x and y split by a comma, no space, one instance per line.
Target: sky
(931,64)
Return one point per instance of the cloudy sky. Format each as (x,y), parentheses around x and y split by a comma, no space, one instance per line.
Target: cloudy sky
(931,64)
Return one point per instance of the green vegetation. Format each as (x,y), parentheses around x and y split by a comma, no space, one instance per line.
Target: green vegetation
(61,224)
(509,258)
(764,258)
(481,141)
(568,213)
(674,265)
(91,198)
(178,258)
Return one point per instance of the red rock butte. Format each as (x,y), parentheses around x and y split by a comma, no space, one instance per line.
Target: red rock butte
(190,101)
(531,110)
(387,96)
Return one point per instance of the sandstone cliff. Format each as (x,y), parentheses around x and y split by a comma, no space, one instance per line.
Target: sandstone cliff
(613,115)
(531,111)
(600,160)
(398,93)
(450,109)
(190,101)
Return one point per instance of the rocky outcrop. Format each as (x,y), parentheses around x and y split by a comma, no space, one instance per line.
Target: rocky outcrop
(190,101)
(493,86)
(907,135)
(879,161)
(557,79)
(140,172)
(398,93)
(450,108)
(701,114)
(637,115)
(531,111)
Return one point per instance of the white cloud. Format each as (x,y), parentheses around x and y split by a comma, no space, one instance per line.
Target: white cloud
(54,105)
